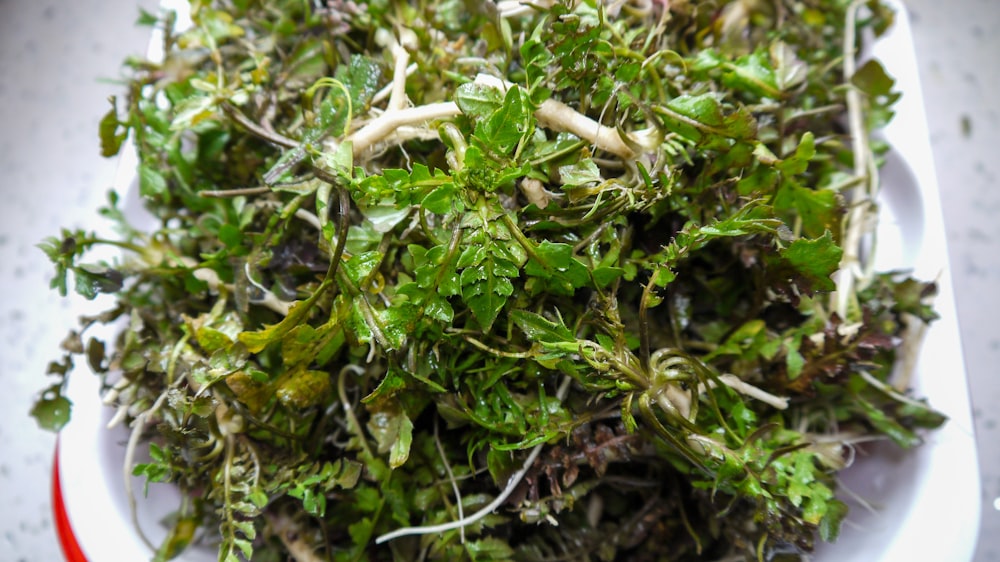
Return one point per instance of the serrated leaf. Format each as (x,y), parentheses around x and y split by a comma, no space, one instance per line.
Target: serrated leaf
(486,286)
(815,259)
(538,328)
(703,119)
(819,209)
(478,100)
(506,126)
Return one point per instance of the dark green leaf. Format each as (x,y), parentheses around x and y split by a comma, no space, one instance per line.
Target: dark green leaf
(540,329)
(815,259)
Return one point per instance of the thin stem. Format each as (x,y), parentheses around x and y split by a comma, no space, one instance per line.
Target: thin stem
(644,346)
(352,420)
(524,241)
(235,192)
(138,425)
(451,478)
(493,351)
(256,130)
(512,483)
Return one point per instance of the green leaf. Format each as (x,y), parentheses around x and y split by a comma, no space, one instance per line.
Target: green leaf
(489,548)
(361,76)
(703,119)
(258,340)
(230,235)
(581,172)
(361,266)
(789,70)
(392,383)
(818,209)
(440,200)
(303,388)
(478,100)
(605,276)
(193,111)
(752,73)
(486,275)
(485,289)
(92,280)
(52,410)
(794,361)
(111,138)
(872,79)
(506,126)
(151,182)
(392,429)
(799,162)
(400,450)
(815,259)
(829,525)
(540,329)
(146,18)
(886,425)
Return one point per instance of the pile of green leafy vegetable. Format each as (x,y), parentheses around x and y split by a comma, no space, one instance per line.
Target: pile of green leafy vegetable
(482,280)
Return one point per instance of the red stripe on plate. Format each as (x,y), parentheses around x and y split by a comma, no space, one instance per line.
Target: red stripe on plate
(67,540)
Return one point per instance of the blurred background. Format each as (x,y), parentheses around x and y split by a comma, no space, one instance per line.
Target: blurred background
(59,62)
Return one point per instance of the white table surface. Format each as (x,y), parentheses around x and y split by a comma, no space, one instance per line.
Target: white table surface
(56,59)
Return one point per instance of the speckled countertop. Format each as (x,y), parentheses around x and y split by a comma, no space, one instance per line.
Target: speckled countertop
(57,61)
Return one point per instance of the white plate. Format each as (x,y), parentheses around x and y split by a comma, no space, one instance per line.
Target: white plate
(927,499)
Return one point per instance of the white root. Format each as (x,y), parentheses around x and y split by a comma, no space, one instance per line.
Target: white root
(558,116)
(288,532)
(382,126)
(401,59)
(384,93)
(517,8)
(747,389)
(398,123)
(854,228)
